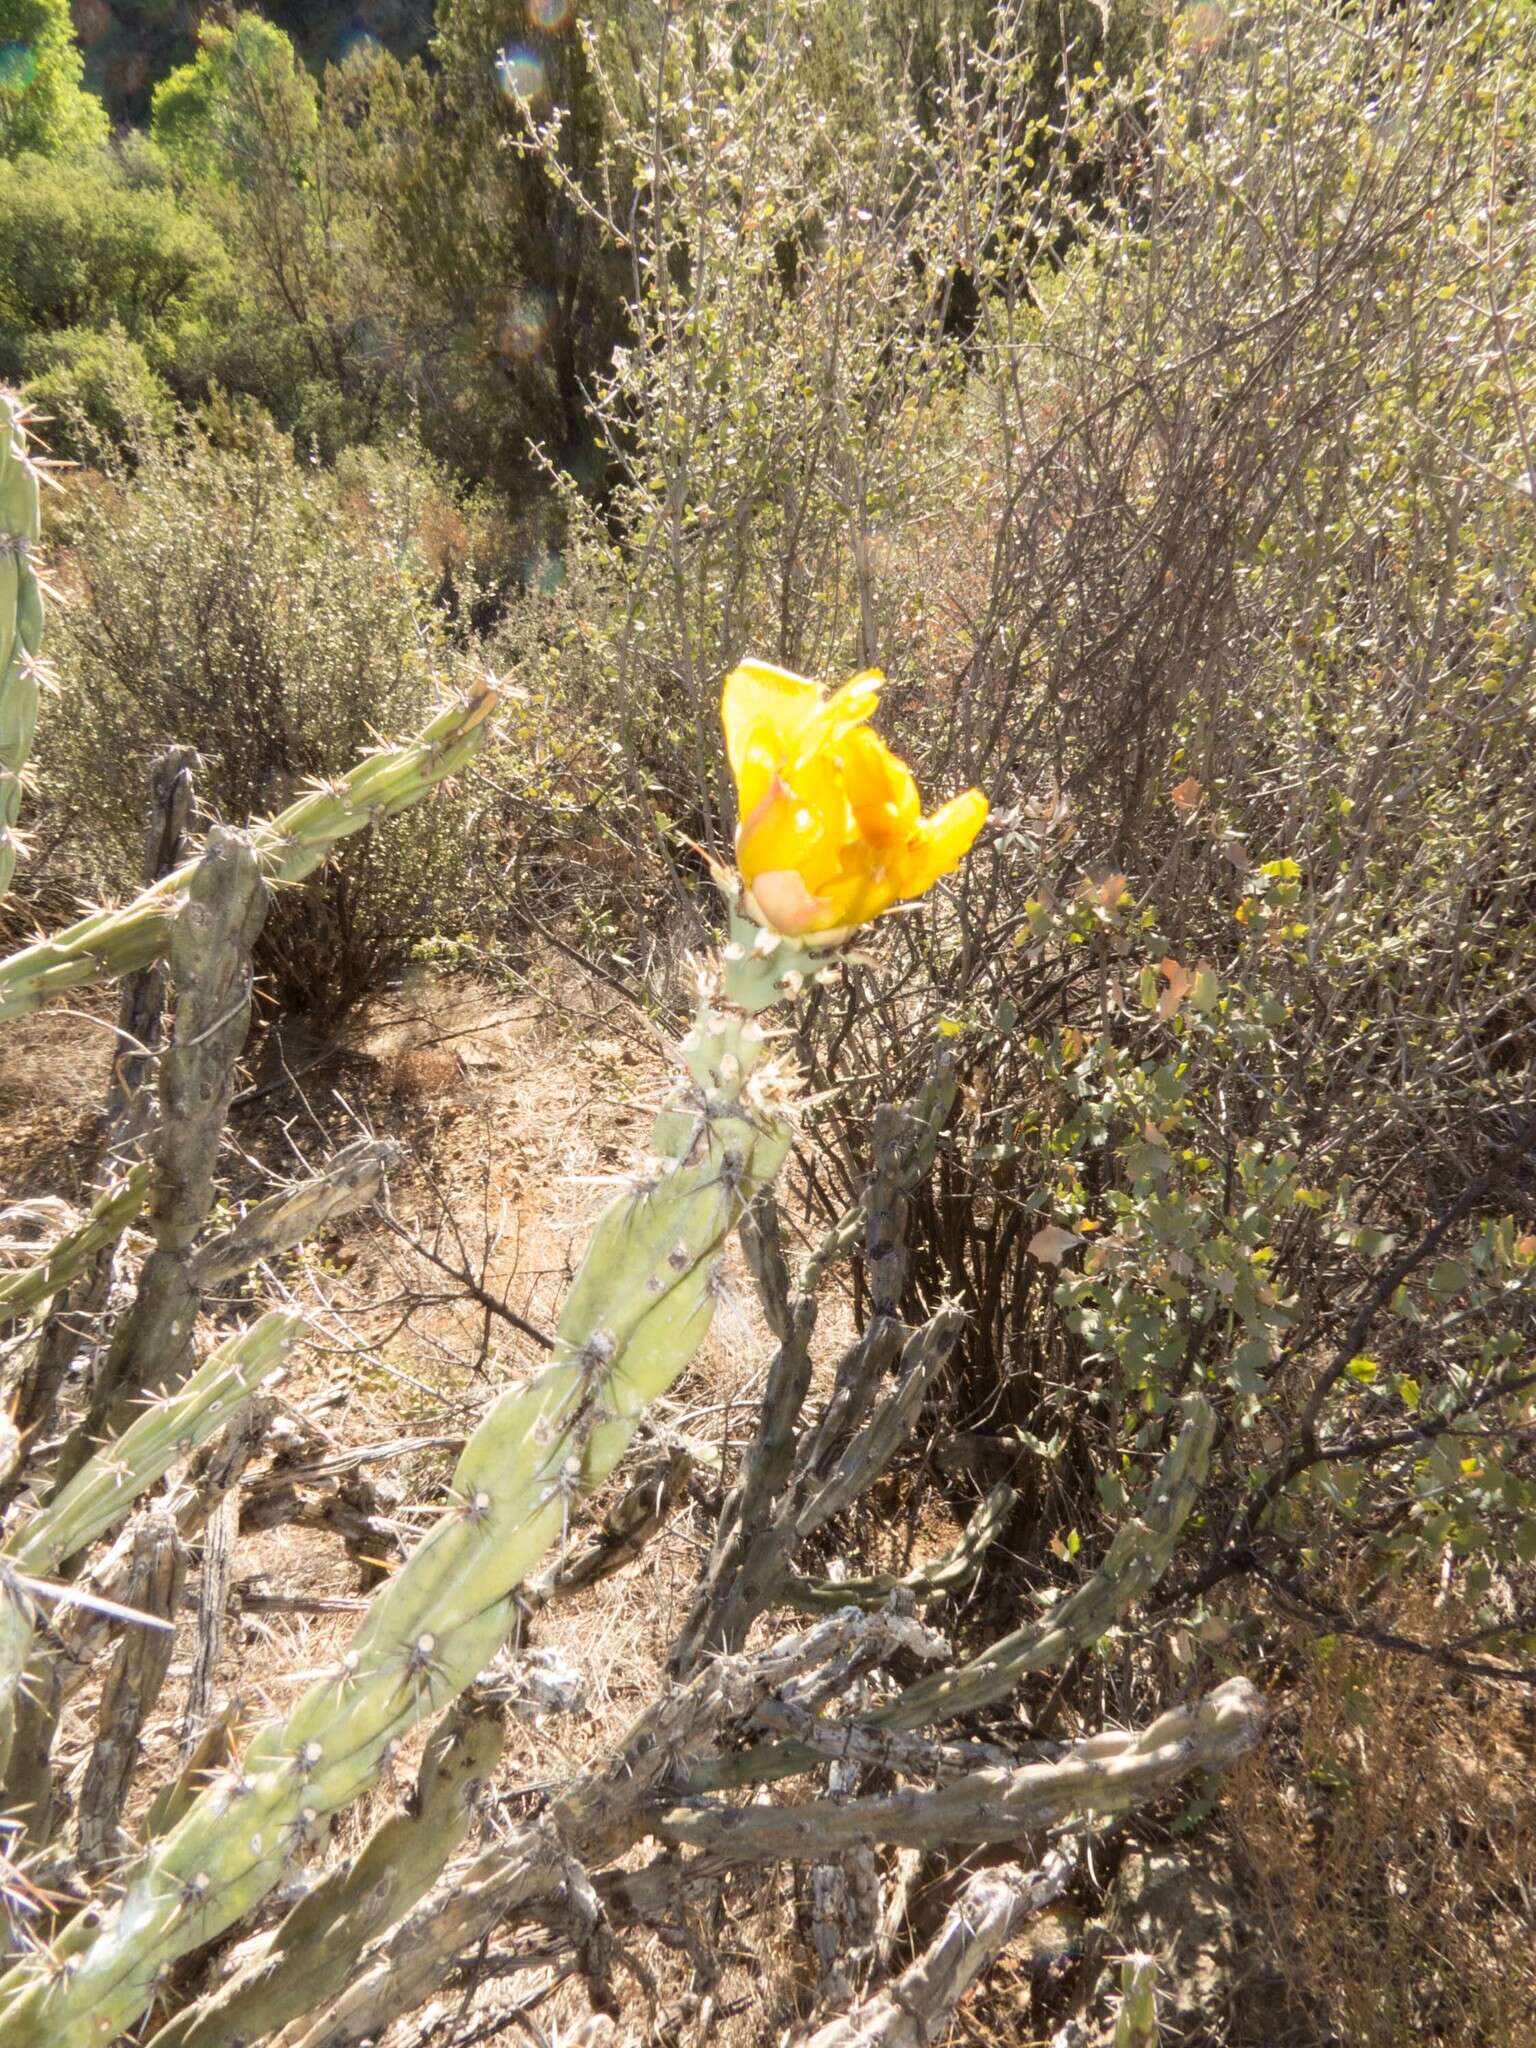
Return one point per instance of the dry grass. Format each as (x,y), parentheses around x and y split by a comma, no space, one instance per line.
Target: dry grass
(1390,1823)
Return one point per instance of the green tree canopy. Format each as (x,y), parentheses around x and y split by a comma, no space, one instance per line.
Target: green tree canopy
(43,104)
(215,116)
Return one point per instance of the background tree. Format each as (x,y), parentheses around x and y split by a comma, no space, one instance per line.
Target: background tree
(43,103)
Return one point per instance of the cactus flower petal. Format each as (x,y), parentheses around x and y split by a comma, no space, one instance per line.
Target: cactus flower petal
(832,831)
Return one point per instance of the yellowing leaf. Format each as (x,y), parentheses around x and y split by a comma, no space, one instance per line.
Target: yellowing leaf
(1186,795)
(1206,989)
(1180,980)
(1106,892)
(1052,1244)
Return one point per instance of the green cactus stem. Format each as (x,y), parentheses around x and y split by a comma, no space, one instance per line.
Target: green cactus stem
(932,1581)
(112,1479)
(637,1310)
(314,1951)
(109,1216)
(1137,1557)
(21,621)
(113,942)
(1136,2021)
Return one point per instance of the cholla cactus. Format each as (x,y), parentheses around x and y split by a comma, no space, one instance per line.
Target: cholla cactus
(637,1311)
(832,833)
(21,621)
(1136,2021)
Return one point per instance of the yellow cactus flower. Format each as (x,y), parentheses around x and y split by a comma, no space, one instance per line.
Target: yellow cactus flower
(831,831)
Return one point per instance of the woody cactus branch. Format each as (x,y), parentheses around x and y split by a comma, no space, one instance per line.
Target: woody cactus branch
(923,1357)
(129,1103)
(636,1312)
(1102,1776)
(109,943)
(1139,1553)
(210,951)
(349,1181)
(141,998)
(21,621)
(79,1632)
(611,1805)
(991,1908)
(931,1581)
(134,1678)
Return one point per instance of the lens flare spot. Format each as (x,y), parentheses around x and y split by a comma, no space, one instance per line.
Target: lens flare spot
(520,73)
(525,330)
(18,66)
(544,573)
(549,15)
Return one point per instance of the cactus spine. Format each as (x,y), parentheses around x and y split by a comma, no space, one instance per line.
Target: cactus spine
(637,1311)
(21,621)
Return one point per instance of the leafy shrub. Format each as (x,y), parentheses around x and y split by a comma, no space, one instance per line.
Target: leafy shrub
(88,244)
(1203,546)
(98,391)
(276,617)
